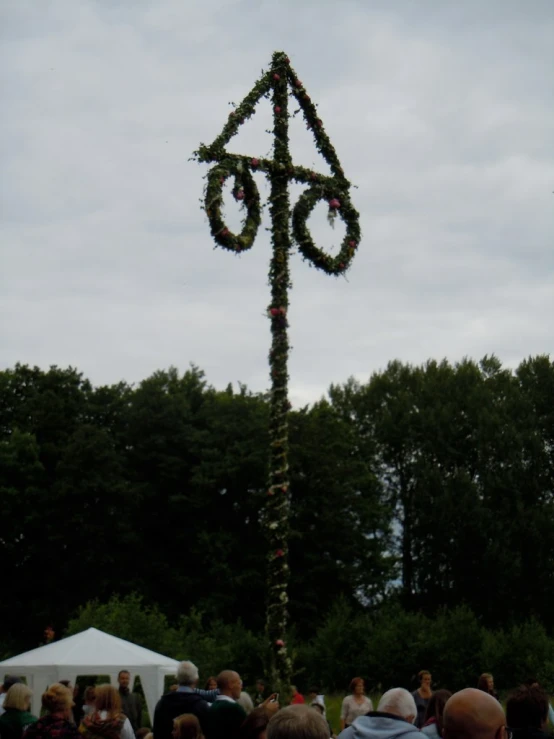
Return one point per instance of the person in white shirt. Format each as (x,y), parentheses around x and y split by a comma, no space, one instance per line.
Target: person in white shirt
(356,704)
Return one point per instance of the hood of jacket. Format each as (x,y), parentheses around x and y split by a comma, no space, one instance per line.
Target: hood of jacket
(378,725)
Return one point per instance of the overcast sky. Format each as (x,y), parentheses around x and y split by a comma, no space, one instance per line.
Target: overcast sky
(441,112)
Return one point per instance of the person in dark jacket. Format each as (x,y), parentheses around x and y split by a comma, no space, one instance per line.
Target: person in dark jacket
(183,700)
(527,713)
(131,703)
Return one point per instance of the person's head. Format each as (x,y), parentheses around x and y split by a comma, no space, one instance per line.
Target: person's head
(19,697)
(67,683)
(260,686)
(211,683)
(186,726)
(89,696)
(526,708)
(108,699)
(229,683)
(245,701)
(473,714)
(424,679)
(357,686)
(297,722)
(399,702)
(9,680)
(255,724)
(58,699)
(435,707)
(187,674)
(313,692)
(486,683)
(124,678)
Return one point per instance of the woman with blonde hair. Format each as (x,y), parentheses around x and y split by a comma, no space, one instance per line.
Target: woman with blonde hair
(57,722)
(16,716)
(107,721)
(186,726)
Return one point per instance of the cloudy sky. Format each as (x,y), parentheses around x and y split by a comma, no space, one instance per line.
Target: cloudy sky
(441,113)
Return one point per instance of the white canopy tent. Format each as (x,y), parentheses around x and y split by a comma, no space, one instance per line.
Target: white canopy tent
(91,652)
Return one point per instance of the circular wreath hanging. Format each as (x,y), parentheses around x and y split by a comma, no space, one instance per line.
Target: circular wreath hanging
(244,191)
(339,204)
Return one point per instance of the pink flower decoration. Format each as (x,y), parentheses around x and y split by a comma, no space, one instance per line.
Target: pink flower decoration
(225,232)
(275,311)
(276,77)
(298,83)
(279,643)
(239,195)
(334,203)
(254,162)
(279,553)
(352,244)
(277,109)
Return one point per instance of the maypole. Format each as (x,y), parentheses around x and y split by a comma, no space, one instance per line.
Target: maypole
(280,83)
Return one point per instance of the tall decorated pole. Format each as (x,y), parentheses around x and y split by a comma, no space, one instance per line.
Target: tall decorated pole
(279,84)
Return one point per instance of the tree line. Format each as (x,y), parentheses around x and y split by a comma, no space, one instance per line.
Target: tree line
(426,488)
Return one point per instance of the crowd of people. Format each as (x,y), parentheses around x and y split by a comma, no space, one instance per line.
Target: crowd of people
(223,710)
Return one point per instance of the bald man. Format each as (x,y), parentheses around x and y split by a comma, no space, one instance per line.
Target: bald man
(473,714)
(225,716)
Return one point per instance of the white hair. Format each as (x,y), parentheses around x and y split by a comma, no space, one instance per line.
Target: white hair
(399,702)
(187,673)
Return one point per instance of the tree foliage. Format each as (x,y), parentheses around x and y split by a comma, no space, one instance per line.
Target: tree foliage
(427,490)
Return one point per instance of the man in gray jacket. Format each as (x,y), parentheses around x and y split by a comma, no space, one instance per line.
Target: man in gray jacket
(393,719)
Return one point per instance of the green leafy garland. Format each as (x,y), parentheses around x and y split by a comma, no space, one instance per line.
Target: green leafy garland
(334,190)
